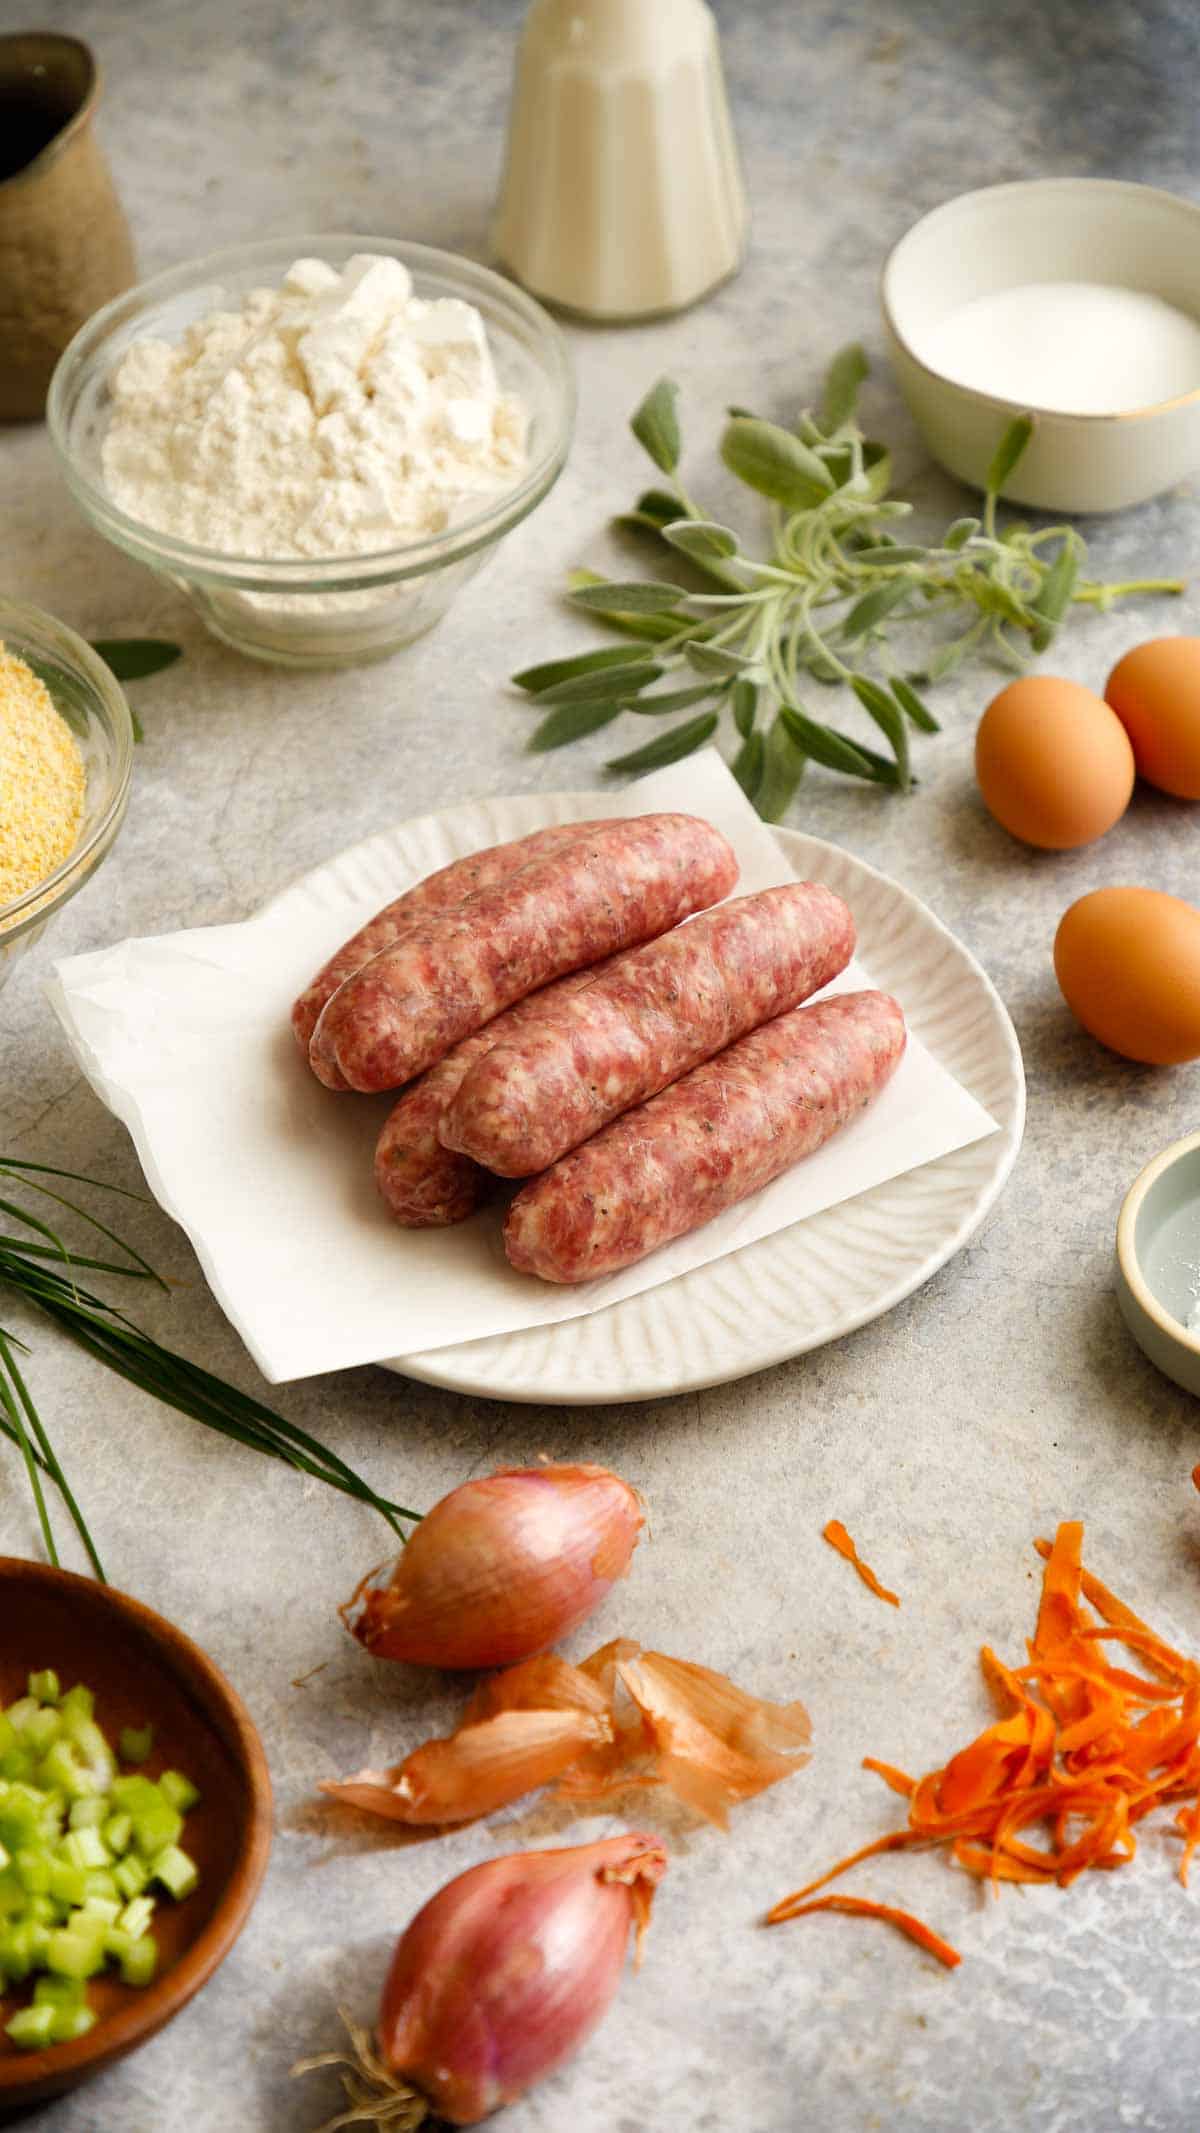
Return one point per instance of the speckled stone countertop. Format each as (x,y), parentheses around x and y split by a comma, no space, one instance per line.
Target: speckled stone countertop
(1003,1396)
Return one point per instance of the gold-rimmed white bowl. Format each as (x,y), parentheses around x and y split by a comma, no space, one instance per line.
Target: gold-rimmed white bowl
(1158,1261)
(88,696)
(1047,229)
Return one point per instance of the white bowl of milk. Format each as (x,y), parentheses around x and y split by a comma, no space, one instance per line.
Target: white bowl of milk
(1073,300)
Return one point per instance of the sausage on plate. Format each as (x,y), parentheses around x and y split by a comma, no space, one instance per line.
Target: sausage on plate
(625,882)
(575,1062)
(707,1142)
(438,892)
(425,1185)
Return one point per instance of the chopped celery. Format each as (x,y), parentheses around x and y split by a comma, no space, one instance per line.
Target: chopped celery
(136,1916)
(89,1813)
(179,1790)
(118,1833)
(131,1875)
(176,1872)
(80,1843)
(139,1966)
(134,1743)
(32,2027)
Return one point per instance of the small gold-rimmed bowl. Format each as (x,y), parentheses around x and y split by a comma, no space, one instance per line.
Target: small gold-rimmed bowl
(88,696)
(1096,230)
(1158,1261)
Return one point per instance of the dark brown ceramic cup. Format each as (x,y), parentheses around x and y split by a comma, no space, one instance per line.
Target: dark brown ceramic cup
(65,247)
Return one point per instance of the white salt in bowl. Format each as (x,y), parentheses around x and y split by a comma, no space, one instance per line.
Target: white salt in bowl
(1094,230)
(315,612)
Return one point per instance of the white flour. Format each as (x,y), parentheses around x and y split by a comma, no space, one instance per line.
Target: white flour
(333,416)
(1071,347)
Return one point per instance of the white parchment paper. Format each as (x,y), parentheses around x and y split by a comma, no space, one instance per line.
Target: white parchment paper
(186,1039)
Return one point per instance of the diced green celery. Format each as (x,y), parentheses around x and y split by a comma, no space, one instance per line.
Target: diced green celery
(42,1909)
(139,1966)
(85,1847)
(68,1884)
(45,1686)
(31,2028)
(176,1871)
(80,1700)
(63,1768)
(12,1895)
(44,1727)
(135,1793)
(60,1992)
(106,1907)
(178,1790)
(118,1943)
(156,1829)
(134,1743)
(131,1875)
(20,1712)
(77,1950)
(89,1813)
(91,1747)
(5,1860)
(7,1733)
(100,1882)
(135,1918)
(118,1833)
(17,1762)
(16,1951)
(72,2022)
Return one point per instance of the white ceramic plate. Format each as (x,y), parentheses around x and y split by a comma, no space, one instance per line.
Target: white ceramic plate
(824,1277)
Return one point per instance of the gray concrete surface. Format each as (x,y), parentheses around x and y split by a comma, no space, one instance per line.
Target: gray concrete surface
(1002,1397)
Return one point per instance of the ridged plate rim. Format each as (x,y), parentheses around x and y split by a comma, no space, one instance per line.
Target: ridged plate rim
(744,1312)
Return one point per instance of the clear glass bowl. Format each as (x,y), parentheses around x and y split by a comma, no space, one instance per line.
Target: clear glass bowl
(91,700)
(310,613)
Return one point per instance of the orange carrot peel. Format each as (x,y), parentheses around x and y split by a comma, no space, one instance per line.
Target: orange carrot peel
(1084,1751)
(835,1533)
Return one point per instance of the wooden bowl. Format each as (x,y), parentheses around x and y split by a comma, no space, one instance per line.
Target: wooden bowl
(142,1670)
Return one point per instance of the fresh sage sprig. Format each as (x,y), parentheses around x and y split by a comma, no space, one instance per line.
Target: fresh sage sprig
(37,1266)
(744,633)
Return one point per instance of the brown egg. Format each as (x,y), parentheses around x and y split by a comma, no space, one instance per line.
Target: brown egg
(1155,692)
(1128,962)
(1053,762)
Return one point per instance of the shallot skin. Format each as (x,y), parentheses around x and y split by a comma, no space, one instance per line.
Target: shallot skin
(501,1568)
(502,1974)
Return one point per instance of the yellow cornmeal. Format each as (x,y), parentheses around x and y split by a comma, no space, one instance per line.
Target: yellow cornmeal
(41,782)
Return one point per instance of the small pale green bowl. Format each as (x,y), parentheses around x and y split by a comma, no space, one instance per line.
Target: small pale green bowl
(1158,1261)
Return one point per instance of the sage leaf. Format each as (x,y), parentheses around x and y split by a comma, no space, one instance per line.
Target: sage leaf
(873,607)
(745,707)
(669,747)
(1008,452)
(569,722)
(552,671)
(134,658)
(658,504)
(747,765)
(783,768)
(644,629)
(655,424)
(962,531)
(670,699)
(607,685)
(637,597)
(776,464)
(912,706)
(832,749)
(1054,595)
(714,659)
(843,382)
(702,539)
(890,720)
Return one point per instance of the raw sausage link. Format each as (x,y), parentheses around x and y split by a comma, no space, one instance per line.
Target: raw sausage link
(576,1063)
(718,1135)
(626,882)
(425,1185)
(438,892)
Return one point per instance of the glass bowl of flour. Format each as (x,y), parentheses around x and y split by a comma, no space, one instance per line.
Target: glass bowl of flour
(320,440)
